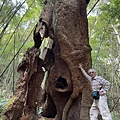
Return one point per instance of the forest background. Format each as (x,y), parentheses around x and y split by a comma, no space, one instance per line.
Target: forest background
(17,22)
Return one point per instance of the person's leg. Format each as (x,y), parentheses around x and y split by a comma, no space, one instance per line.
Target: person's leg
(94,111)
(103,108)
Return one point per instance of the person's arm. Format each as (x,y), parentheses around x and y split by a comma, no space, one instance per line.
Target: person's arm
(105,86)
(84,73)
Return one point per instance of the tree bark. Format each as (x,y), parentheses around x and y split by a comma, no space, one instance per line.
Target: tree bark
(67,92)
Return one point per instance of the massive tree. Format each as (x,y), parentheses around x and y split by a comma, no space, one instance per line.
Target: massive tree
(67,93)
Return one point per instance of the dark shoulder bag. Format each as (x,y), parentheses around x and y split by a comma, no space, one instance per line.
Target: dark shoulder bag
(95,95)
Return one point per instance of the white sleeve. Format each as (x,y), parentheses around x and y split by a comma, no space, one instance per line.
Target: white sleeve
(86,75)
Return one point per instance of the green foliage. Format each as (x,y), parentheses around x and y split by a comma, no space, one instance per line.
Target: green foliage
(116,115)
(5,104)
(17,22)
(100,29)
(112,9)
(2,103)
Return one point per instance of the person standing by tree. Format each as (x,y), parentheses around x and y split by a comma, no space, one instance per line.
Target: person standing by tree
(99,87)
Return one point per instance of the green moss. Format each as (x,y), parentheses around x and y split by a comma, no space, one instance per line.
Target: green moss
(6,106)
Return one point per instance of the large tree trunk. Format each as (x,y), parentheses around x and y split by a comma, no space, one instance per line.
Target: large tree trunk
(67,92)
(71,32)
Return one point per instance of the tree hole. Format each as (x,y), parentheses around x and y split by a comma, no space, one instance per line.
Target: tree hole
(61,83)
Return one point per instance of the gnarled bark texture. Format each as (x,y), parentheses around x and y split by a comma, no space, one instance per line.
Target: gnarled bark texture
(67,92)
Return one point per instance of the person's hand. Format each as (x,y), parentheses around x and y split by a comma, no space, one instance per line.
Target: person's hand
(80,65)
(101,93)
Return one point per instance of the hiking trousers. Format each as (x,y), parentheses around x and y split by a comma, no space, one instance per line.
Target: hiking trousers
(100,107)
